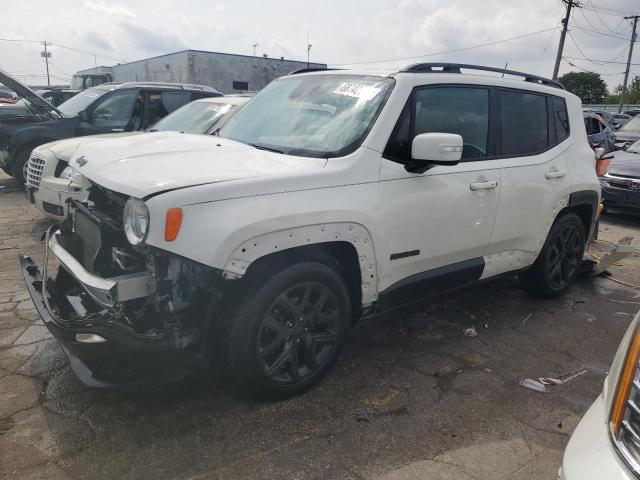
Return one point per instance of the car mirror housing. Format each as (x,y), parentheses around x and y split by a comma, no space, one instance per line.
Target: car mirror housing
(430,149)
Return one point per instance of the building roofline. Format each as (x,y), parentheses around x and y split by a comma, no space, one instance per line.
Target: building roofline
(218,53)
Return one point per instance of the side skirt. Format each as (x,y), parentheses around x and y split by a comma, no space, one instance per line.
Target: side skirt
(431,282)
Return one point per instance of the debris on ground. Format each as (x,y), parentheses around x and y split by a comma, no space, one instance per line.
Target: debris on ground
(526,318)
(470,332)
(562,378)
(532,384)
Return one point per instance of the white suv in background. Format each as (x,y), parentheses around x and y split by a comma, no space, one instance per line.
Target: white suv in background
(332,195)
(51,182)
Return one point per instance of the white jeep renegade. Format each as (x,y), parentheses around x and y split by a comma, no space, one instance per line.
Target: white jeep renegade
(330,196)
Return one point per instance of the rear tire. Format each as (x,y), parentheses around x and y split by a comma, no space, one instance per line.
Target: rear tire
(285,329)
(559,260)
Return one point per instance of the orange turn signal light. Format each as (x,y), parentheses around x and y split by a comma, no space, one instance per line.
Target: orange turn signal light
(172,224)
(624,384)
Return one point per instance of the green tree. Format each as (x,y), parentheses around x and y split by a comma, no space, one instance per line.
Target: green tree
(632,96)
(589,86)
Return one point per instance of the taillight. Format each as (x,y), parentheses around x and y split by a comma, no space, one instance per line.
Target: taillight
(602,165)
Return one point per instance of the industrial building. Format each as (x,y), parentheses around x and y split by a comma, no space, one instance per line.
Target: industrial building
(229,73)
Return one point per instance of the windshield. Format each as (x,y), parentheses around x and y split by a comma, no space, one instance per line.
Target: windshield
(632,125)
(315,116)
(81,101)
(195,117)
(634,147)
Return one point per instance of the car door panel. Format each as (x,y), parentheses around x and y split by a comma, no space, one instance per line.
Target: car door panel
(535,186)
(436,214)
(442,218)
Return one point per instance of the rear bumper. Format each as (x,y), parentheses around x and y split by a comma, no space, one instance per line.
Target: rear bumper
(589,454)
(121,356)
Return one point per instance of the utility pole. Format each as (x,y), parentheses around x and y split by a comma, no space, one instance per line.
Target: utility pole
(308,49)
(626,72)
(46,55)
(254,48)
(565,25)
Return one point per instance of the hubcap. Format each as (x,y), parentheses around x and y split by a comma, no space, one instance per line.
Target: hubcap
(565,254)
(299,333)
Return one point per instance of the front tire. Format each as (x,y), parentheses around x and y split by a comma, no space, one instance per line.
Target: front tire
(286,329)
(20,166)
(559,261)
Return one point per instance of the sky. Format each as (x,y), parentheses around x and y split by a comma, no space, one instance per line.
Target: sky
(342,33)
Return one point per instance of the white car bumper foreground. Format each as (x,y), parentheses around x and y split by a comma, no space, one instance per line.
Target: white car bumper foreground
(52,196)
(590,454)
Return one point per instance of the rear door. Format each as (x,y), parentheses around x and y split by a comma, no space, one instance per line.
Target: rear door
(438,224)
(533,133)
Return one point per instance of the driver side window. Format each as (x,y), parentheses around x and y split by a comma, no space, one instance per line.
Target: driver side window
(460,110)
(117,110)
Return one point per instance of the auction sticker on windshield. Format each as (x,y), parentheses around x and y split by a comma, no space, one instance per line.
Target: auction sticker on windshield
(357,90)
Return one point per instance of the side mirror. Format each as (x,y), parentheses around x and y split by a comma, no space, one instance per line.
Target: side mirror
(429,149)
(83,116)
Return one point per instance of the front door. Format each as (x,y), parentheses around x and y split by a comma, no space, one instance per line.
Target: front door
(437,225)
(118,111)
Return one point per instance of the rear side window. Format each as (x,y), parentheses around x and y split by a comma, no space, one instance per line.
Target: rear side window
(524,123)
(561,119)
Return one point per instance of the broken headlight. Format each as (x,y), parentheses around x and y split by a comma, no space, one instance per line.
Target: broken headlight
(135,219)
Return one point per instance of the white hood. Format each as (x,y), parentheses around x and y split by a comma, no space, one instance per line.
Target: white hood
(63,149)
(142,165)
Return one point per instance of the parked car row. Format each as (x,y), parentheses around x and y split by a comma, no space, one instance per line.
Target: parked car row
(110,107)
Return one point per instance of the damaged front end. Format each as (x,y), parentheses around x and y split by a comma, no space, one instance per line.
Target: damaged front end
(124,315)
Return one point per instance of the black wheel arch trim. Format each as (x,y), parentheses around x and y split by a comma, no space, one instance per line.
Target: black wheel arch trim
(591,199)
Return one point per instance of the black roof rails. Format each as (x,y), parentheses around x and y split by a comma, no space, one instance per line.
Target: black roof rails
(455,68)
(310,70)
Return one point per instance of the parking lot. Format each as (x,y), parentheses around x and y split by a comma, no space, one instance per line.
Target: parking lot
(411,396)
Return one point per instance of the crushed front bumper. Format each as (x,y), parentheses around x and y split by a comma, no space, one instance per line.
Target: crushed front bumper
(104,351)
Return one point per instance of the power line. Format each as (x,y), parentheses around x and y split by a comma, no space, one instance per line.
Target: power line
(599,62)
(590,71)
(596,32)
(449,51)
(93,54)
(613,10)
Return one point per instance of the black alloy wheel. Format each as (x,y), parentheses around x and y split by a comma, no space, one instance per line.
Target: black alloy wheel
(559,261)
(564,256)
(299,333)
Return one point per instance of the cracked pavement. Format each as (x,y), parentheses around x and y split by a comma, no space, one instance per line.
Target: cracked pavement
(411,398)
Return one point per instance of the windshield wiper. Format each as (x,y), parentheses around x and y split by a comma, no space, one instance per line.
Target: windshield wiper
(265,147)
